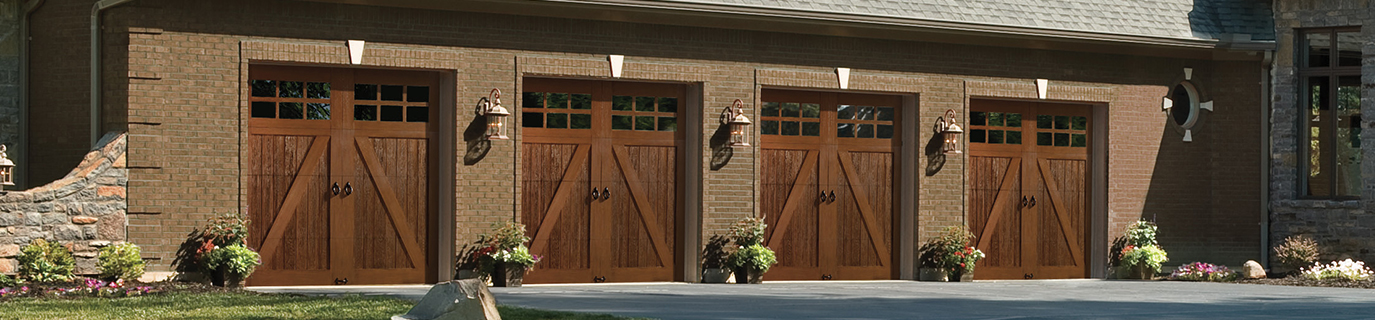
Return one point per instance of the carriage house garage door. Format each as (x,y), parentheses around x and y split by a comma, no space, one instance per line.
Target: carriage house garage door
(600,171)
(827,163)
(1028,204)
(338,164)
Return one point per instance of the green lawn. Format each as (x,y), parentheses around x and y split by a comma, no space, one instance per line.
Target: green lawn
(239,306)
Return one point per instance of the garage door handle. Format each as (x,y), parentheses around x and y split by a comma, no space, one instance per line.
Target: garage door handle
(1023,201)
(335,188)
(833,196)
(1033,202)
(606,193)
(823,197)
(595,194)
(348,190)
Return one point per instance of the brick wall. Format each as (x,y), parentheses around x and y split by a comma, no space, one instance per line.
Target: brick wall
(1342,228)
(185,103)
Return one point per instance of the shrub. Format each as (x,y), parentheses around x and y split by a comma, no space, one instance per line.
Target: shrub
(120,261)
(1149,256)
(951,251)
(43,261)
(748,231)
(235,259)
(1343,270)
(6,281)
(1199,271)
(1297,252)
(755,257)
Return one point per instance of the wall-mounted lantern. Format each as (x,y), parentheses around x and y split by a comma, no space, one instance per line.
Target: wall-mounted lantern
(950,132)
(6,169)
(491,108)
(734,116)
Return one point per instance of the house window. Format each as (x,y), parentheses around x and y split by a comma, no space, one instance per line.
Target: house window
(1330,102)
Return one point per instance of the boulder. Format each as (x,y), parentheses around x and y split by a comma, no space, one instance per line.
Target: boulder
(1252,270)
(466,299)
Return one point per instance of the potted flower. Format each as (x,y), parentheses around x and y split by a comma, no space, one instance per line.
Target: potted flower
(1139,256)
(752,259)
(230,266)
(949,256)
(505,258)
(715,258)
(223,254)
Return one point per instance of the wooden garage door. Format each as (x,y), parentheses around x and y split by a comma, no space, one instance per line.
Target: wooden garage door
(1028,204)
(826,174)
(600,180)
(339,175)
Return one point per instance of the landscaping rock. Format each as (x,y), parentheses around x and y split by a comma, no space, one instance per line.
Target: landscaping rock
(9,266)
(466,299)
(84,220)
(86,266)
(1252,270)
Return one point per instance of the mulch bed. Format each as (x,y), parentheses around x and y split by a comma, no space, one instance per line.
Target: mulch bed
(1303,282)
(64,290)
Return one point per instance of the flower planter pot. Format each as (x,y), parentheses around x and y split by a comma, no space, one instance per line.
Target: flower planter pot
(932,274)
(749,276)
(507,275)
(715,275)
(224,278)
(962,276)
(1140,272)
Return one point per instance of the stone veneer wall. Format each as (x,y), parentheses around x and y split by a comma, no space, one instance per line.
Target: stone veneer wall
(1343,228)
(84,210)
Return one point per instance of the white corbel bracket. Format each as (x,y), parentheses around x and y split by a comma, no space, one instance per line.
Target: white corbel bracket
(843,74)
(617,61)
(1041,85)
(356,51)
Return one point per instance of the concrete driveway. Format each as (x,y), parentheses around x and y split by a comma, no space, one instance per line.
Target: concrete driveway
(1024,299)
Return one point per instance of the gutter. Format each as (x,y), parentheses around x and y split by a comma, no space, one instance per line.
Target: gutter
(95,64)
(1265,104)
(897,21)
(22,148)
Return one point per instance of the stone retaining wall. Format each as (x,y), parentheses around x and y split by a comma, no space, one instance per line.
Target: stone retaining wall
(84,210)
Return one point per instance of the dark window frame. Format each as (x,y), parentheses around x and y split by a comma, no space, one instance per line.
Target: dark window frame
(1331,72)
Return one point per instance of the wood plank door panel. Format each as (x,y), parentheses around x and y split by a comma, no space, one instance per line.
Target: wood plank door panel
(390,197)
(555,191)
(289,193)
(864,212)
(789,202)
(643,200)
(1028,188)
(995,217)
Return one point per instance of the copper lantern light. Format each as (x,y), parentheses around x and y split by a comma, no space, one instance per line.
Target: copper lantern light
(6,169)
(734,116)
(496,115)
(950,132)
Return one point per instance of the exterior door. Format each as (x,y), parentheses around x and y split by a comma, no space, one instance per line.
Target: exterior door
(600,180)
(826,173)
(339,183)
(1028,203)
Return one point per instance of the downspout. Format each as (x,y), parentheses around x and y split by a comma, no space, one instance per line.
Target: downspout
(22,148)
(1266,86)
(95,65)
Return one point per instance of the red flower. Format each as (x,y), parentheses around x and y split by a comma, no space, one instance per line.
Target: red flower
(961,265)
